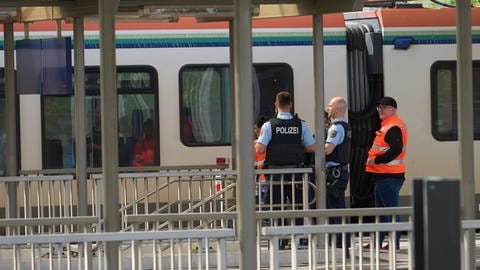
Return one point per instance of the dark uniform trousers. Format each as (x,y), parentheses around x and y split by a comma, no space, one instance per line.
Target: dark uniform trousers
(292,187)
(337,181)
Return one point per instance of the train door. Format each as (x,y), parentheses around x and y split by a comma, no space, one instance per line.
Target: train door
(365,88)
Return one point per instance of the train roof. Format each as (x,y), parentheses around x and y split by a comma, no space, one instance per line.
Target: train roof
(422,17)
(414,17)
(329,21)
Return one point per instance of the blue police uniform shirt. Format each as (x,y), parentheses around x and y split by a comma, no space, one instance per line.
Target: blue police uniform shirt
(335,136)
(266,131)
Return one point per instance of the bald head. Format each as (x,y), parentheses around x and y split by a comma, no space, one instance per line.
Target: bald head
(337,107)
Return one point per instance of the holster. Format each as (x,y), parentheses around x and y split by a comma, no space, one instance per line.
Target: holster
(334,188)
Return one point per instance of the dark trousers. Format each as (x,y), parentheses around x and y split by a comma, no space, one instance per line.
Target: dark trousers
(336,200)
(274,193)
(387,192)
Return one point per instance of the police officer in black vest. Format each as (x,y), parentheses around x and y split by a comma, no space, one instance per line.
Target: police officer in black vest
(337,150)
(286,139)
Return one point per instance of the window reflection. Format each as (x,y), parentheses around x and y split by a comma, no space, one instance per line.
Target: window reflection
(58,146)
(137,102)
(205,99)
(444,100)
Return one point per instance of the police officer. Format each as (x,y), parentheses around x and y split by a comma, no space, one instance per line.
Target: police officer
(337,150)
(285,139)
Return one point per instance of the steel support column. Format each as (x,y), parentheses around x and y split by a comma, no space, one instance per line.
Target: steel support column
(319,84)
(108,99)
(80,141)
(10,118)
(231,36)
(80,137)
(465,124)
(243,125)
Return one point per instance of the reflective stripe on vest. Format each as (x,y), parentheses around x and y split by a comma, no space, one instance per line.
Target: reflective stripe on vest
(393,162)
(259,163)
(383,148)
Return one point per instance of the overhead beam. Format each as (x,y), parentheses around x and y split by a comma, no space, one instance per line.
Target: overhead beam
(309,8)
(33,3)
(80,8)
(163,3)
(177,3)
(170,9)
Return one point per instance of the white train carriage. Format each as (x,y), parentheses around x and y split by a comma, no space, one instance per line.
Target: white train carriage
(177,75)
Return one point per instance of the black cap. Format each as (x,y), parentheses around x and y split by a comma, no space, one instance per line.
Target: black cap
(388,101)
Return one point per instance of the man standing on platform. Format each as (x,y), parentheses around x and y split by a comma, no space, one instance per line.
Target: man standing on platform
(285,138)
(385,162)
(337,151)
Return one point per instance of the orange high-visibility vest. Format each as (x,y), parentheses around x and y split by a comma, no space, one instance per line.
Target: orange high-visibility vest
(379,147)
(259,161)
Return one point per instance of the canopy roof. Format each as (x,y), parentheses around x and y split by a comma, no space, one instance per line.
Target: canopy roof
(167,10)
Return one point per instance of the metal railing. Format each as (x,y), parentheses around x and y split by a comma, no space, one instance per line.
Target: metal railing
(197,202)
(41,195)
(24,247)
(146,245)
(170,190)
(208,240)
(356,248)
(207,191)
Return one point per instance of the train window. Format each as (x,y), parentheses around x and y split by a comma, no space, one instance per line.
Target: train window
(58,132)
(137,121)
(206,99)
(3,135)
(126,81)
(444,100)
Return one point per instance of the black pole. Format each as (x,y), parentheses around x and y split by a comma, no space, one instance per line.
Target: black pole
(436,216)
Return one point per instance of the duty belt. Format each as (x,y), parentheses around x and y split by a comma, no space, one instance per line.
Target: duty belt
(336,170)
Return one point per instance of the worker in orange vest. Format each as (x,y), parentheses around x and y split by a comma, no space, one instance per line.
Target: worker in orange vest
(386,161)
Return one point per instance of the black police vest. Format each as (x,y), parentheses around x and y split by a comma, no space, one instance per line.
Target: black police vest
(341,153)
(285,148)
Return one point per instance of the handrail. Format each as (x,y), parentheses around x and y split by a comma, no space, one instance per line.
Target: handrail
(337,228)
(272,214)
(179,217)
(346,212)
(78,220)
(117,236)
(125,169)
(11,179)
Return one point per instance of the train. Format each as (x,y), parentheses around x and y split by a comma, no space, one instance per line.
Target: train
(177,76)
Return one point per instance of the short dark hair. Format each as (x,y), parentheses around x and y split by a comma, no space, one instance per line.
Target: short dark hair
(283,99)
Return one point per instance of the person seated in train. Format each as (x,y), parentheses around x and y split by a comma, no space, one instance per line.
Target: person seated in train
(126,142)
(144,149)
(187,127)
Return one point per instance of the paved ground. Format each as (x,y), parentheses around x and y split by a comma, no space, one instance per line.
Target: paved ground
(59,260)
